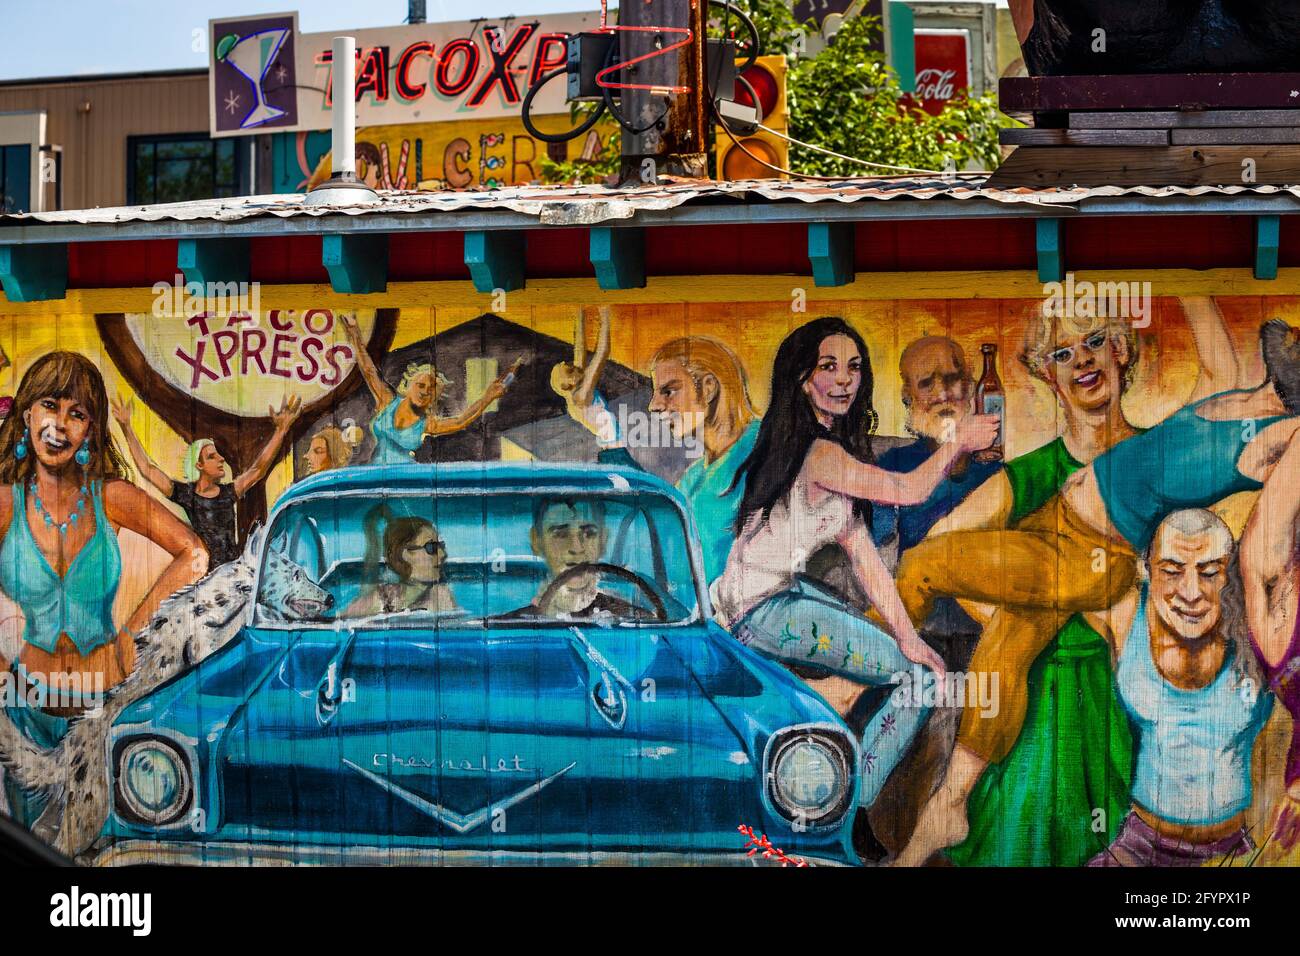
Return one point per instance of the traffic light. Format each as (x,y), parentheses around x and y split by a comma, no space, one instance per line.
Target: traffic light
(767,78)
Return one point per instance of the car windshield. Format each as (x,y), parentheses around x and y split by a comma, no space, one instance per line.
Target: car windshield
(466,560)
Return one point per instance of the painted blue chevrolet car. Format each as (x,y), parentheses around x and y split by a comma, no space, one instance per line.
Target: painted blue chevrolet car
(504,663)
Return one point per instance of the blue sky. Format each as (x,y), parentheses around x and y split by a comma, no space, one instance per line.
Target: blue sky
(63,37)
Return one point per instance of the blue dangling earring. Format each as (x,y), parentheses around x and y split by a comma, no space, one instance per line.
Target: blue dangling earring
(20,450)
(83,453)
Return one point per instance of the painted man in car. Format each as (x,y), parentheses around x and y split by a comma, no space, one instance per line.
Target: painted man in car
(570,535)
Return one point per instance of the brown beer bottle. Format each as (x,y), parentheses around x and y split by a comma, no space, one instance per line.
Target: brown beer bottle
(991,399)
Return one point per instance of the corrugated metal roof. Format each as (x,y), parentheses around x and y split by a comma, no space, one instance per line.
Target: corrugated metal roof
(591,205)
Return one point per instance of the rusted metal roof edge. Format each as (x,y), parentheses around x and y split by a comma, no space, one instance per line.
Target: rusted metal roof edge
(284,215)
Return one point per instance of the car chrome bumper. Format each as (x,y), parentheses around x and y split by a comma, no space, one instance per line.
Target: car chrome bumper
(153,852)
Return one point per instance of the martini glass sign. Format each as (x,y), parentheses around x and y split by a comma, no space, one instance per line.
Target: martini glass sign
(252,56)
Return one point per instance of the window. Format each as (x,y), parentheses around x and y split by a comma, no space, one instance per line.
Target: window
(181,168)
(490,558)
(15,178)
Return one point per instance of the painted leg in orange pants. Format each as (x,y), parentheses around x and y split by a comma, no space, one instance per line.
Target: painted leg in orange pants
(1051,566)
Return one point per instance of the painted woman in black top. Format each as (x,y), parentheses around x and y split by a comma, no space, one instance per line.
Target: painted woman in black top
(207,499)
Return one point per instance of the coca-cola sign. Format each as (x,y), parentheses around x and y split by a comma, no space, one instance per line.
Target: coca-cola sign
(936,84)
(943,68)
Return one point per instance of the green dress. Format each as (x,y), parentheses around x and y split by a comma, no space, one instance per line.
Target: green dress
(1059,797)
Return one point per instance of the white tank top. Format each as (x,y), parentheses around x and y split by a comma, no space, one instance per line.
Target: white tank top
(1194,747)
(767,555)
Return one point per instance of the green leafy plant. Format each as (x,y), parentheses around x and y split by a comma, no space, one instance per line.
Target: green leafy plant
(844,99)
(601,168)
(847,100)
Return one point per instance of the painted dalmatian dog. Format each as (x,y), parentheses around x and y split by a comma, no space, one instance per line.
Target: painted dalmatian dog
(189,626)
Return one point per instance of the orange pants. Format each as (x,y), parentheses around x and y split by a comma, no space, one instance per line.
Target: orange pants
(1049,568)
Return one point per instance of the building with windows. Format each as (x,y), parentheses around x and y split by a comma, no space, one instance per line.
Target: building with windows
(78,142)
(81,142)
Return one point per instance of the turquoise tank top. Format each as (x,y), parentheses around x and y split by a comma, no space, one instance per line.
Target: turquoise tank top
(395,445)
(1184,462)
(1194,746)
(80,604)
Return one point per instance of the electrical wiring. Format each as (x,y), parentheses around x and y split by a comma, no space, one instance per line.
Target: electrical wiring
(861,162)
(533,131)
(755,48)
(753,98)
(609,105)
(756,42)
(790,172)
(762,162)
(614,108)
(617,113)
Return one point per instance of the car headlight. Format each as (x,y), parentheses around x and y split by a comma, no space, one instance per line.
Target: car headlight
(810,778)
(153,781)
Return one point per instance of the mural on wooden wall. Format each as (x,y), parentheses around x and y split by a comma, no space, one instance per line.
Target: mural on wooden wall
(1006,580)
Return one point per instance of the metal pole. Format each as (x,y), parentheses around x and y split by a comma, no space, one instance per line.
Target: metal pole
(343,150)
(342,186)
(676,143)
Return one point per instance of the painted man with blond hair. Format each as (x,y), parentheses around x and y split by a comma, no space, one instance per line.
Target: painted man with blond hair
(701,392)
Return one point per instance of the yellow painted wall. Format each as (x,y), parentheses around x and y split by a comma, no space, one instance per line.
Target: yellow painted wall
(750,313)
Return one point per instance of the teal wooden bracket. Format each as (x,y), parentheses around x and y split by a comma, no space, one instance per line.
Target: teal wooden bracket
(34,272)
(902,45)
(1268,233)
(830,250)
(495,260)
(618,256)
(1051,261)
(357,263)
(208,261)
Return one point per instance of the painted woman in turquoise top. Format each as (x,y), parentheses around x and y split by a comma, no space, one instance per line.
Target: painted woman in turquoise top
(62,502)
(410,413)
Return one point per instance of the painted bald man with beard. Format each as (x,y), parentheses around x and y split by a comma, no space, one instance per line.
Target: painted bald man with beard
(937,390)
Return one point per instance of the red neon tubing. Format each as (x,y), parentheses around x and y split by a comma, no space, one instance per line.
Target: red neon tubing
(605,27)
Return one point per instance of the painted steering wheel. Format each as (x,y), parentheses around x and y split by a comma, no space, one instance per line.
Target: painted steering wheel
(613,570)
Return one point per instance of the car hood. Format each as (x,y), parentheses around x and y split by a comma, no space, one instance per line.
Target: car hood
(561,730)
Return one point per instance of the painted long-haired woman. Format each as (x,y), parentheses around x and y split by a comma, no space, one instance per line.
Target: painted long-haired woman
(810,481)
(63,499)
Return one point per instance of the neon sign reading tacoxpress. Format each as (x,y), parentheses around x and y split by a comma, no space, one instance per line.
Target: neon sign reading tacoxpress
(264,75)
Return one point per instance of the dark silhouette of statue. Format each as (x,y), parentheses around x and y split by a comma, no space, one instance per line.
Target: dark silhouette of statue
(1059,37)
